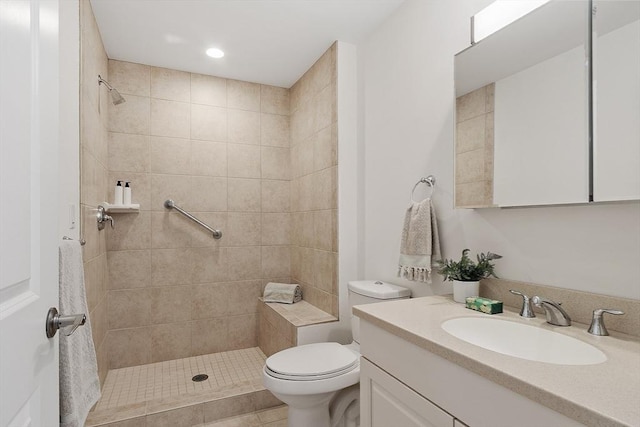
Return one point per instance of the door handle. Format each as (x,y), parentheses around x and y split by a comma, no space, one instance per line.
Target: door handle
(55,321)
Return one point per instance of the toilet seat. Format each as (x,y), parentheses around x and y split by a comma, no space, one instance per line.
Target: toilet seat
(312,362)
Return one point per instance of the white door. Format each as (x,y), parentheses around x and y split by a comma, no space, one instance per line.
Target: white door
(28,211)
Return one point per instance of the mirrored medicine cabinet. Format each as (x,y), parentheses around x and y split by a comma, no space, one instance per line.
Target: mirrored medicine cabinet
(548,108)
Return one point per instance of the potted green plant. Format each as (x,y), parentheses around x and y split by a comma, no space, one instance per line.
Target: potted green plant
(466,274)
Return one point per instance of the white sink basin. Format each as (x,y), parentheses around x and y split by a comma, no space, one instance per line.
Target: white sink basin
(523,341)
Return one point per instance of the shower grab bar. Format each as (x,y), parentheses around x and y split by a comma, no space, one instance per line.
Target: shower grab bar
(170,204)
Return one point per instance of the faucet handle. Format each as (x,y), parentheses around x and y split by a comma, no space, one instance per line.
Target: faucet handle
(527,309)
(597,323)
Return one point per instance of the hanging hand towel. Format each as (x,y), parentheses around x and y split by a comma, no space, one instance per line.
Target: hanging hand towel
(282,292)
(79,382)
(420,242)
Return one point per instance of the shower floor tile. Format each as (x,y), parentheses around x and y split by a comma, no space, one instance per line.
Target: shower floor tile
(229,372)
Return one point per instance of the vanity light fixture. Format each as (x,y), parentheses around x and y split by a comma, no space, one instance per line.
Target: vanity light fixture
(214,52)
(498,15)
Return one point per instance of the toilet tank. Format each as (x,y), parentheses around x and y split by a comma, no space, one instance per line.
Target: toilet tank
(370,291)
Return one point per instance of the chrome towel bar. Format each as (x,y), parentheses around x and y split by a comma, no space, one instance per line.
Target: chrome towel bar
(170,204)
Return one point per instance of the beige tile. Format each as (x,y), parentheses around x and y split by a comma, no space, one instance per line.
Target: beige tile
(170,341)
(244,195)
(276,196)
(92,280)
(244,229)
(279,423)
(471,105)
(170,118)
(490,100)
(243,127)
(128,153)
(131,231)
(306,265)
(208,90)
(170,304)
(323,229)
(208,194)
(129,78)
(470,166)
(275,163)
(140,187)
(276,261)
(276,228)
(208,158)
(324,149)
(243,331)
(248,420)
(129,269)
(274,100)
(243,297)
(208,336)
(307,229)
(323,71)
(175,187)
(472,194)
(170,84)
(322,189)
(243,95)
(305,156)
(88,179)
(274,130)
(209,300)
(169,229)
(99,324)
(244,262)
(470,134)
(325,107)
(129,308)
(277,411)
(209,265)
(128,347)
(170,155)
(132,422)
(171,267)
(187,416)
(224,408)
(324,270)
(92,124)
(131,116)
(243,161)
(208,123)
(200,237)
(89,232)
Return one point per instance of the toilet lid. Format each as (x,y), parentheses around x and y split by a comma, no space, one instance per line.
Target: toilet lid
(315,361)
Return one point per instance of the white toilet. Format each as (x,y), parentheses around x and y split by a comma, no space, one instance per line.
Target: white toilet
(320,382)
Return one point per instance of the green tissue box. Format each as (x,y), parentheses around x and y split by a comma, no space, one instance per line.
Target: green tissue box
(485,305)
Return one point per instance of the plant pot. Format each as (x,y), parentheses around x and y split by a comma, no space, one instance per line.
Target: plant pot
(462,290)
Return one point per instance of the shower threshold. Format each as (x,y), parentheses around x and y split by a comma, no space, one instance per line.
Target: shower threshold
(164,393)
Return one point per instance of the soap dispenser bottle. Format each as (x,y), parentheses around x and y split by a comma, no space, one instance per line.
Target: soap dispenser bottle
(127,193)
(118,194)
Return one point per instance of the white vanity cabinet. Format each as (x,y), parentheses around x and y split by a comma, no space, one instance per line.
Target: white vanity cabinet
(385,401)
(402,384)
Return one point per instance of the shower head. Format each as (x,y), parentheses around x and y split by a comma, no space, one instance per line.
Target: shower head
(116,98)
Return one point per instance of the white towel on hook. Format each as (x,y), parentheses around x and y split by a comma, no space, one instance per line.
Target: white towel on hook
(79,381)
(420,244)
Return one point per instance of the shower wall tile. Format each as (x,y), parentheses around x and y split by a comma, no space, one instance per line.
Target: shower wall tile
(276,261)
(128,347)
(243,331)
(243,161)
(275,163)
(130,117)
(128,153)
(244,229)
(243,127)
(208,158)
(274,100)
(201,238)
(276,228)
(170,341)
(274,130)
(276,196)
(175,187)
(169,230)
(243,95)
(129,308)
(208,90)
(170,118)
(130,78)
(170,84)
(208,194)
(208,123)
(209,300)
(133,231)
(129,269)
(243,297)
(244,195)
(170,155)
(244,262)
(209,336)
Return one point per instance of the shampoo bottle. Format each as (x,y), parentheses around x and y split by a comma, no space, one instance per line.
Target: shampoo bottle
(117,194)
(127,193)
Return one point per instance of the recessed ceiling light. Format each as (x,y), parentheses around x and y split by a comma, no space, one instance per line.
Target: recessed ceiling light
(215,52)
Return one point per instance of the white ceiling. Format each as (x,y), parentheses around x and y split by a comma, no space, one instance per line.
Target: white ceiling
(265,41)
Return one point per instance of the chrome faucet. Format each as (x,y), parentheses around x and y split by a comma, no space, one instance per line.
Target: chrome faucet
(527,309)
(597,324)
(555,314)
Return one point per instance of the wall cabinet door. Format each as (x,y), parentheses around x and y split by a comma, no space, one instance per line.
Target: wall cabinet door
(385,401)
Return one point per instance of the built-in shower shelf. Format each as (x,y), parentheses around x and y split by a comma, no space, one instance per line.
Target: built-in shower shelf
(109,208)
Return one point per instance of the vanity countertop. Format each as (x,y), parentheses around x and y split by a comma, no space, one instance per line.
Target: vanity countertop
(605,394)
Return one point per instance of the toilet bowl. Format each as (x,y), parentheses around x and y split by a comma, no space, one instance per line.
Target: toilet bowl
(320,382)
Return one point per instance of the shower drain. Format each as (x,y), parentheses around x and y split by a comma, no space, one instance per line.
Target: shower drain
(200,377)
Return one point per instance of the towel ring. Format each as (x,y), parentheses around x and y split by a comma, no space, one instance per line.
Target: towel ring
(430,181)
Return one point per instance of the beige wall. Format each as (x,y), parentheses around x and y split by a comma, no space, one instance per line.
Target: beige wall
(314,160)
(220,149)
(94,101)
